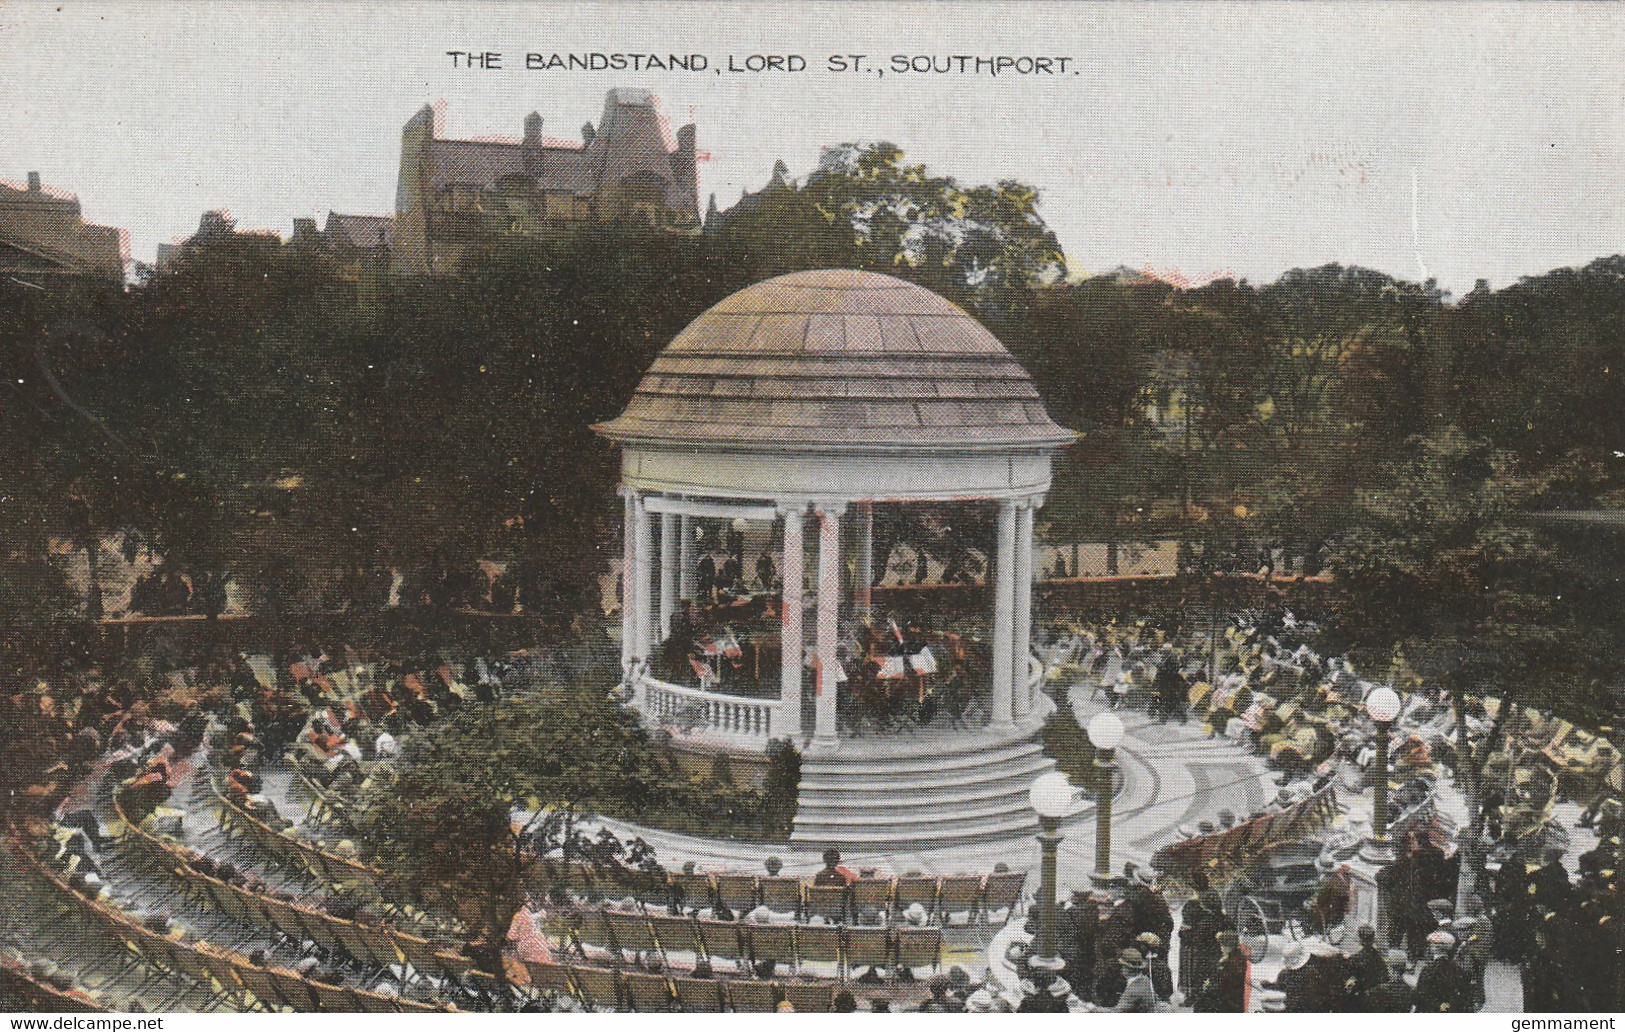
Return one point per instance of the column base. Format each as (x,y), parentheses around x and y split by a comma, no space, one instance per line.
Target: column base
(823,745)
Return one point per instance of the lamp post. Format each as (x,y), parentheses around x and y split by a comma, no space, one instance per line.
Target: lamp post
(1382,706)
(1105,732)
(1051,797)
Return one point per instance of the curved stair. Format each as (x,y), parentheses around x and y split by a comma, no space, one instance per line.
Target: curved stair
(920,792)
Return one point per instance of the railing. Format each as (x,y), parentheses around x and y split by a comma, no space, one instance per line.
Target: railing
(691,711)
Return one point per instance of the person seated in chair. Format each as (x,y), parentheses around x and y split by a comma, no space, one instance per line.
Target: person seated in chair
(833,873)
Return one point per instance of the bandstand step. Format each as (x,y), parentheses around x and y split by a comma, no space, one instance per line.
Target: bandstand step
(955,789)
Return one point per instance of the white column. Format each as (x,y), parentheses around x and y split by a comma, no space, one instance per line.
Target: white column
(629,582)
(1022,632)
(685,557)
(829,607)
(791,605)
(642,570)
(668,572)
(1003,615)
(866,556)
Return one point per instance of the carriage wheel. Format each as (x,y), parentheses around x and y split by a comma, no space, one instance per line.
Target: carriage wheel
(1253,927)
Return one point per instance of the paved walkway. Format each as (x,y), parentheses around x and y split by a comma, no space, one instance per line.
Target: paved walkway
(1173,774)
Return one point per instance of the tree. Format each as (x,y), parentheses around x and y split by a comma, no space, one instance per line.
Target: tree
(983,246)
(1436,564)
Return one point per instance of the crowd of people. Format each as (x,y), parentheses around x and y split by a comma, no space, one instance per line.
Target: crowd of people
(1261,681)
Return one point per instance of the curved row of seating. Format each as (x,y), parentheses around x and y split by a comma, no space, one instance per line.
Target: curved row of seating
(19,988)
(746,943)
(654,992)
(230,973)
(371,945)
(863,901)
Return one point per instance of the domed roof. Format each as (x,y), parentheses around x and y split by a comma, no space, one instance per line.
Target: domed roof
(837,357)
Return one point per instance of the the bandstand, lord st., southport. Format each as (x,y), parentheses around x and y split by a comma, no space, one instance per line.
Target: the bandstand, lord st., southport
(784,424)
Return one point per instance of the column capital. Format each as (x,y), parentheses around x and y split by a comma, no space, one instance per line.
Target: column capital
(789,505)
(835,507)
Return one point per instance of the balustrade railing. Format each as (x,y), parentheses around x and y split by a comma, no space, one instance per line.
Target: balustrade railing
(694,711)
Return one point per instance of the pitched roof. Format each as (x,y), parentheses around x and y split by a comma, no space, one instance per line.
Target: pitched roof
(361,231)
(837,357)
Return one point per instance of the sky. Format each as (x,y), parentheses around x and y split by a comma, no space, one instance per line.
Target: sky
(1453,140)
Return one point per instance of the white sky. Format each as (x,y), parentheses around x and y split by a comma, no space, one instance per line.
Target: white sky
(1197,138)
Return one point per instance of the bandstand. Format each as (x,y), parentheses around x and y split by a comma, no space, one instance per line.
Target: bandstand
(793,410)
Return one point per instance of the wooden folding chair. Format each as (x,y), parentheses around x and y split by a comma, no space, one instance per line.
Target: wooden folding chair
(595,930)
(674,934)
(419,952)
(737,891)
(698,995)
(781,893)
(577,878)
(694,890)
(375,1003)
(631,932)
(810,997)
(828,902)
(775,942)
(722,941)
(454,964)
(292,990)
(600,987)
(871,897)
(820,944)
(553,978)
(321,927)
(868,947)
(354,940)
(258,982)
(917,947)
(648,993)
(919,890)
(959,894)
(332,998)
(1003,892)
(752,997)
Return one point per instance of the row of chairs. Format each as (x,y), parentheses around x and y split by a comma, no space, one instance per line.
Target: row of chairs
(370,945)
(748,943)
(229,973)
(655,993)
(863,901)
(16,984)
(325,867)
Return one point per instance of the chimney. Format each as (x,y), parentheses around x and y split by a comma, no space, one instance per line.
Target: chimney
(33,182)
(587,132)
(533,130)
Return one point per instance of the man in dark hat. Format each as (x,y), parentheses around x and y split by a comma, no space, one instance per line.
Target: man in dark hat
(1201,920)
(1139,996)
(1369,967)
(1077,945)
(1156,964)
(1147,909)
(1227,991)
(1442,986)
(1392,995)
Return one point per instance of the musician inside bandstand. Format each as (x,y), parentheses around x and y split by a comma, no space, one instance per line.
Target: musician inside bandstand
(894,666)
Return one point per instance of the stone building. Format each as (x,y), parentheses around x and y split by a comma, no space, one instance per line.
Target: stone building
(357,245)
(42,233)
(456,195)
